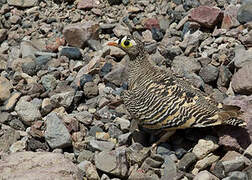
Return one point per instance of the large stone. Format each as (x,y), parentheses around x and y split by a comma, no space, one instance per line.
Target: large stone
(206,16)
(187,161)
(229,19)
(209,73)
(118,75)
(56,134)
(27,111)
(88,4)
(112,162)
(89,170)
(77,35)
(205,146)
(3,35)
(183,65)
(242,80)
(42,165)
(245,13)
(8,137)
(242,57)
(5,87)
(64,99)
(205,175)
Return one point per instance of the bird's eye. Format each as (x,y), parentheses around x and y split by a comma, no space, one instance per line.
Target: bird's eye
(126,43)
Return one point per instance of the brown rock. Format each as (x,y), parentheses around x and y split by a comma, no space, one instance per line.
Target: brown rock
(3,34)
(88,4)
(242,80)
(151,23)
(7,138)
(77,35)
(42,165)
(5,86)
(10,103)
(229,19)
(206,16)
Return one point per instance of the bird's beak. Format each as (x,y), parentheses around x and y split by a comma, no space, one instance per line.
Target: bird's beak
(112,43)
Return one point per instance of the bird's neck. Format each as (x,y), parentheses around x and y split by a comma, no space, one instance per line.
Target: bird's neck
(138,67)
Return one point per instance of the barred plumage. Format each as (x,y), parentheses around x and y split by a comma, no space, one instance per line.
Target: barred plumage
(160,100)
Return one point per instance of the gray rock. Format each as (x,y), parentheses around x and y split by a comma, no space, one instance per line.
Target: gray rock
(136,153)
(123,123)
(8,137)
(93,130)
(242,57)
(16,124)
(206,161)
(5,87)
(90,89)
(101,145)
(34,145)
(182,65)
(191,41)
(27,165)
(84,117)
(49,82)
(170,168)
(155,161)
(27,111)
(71,53)
(3,35)
(114,131)
(187,160)
(10,103)
(123,138)
(89,170)
(5,116)
(118,75)
(205,175)
(64,99)
(237,175)
(233,165)
(56,133)
(112,162)
(20,145)
(248,152)
(209,73)
(28,49)
(245,13)
(29,68)
(224,76)
(242,80)
(85,155)
(205,146)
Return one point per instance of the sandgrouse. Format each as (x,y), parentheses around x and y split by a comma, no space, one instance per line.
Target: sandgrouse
(159,100)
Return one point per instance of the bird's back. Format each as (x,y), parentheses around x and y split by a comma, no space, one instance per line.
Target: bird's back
(160,100)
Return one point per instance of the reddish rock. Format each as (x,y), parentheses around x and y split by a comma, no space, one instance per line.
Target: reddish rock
(242,80)
(88,4)
(151,23)
(77,35)
(53,47)
(236,138)
(230,18)
(206,16)
(42,165)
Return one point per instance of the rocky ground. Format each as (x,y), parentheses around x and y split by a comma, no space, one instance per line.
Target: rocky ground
(61,113)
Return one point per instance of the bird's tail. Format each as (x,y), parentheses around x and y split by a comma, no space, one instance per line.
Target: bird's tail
(231,115)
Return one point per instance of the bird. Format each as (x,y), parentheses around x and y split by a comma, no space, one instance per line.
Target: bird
(160,100)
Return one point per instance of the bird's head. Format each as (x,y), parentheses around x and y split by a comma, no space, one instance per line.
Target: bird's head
(131,46)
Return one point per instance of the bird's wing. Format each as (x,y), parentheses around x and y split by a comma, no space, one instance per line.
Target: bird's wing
(169,102)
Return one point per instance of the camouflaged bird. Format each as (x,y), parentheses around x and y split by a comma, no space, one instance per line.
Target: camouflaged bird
(159,100)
